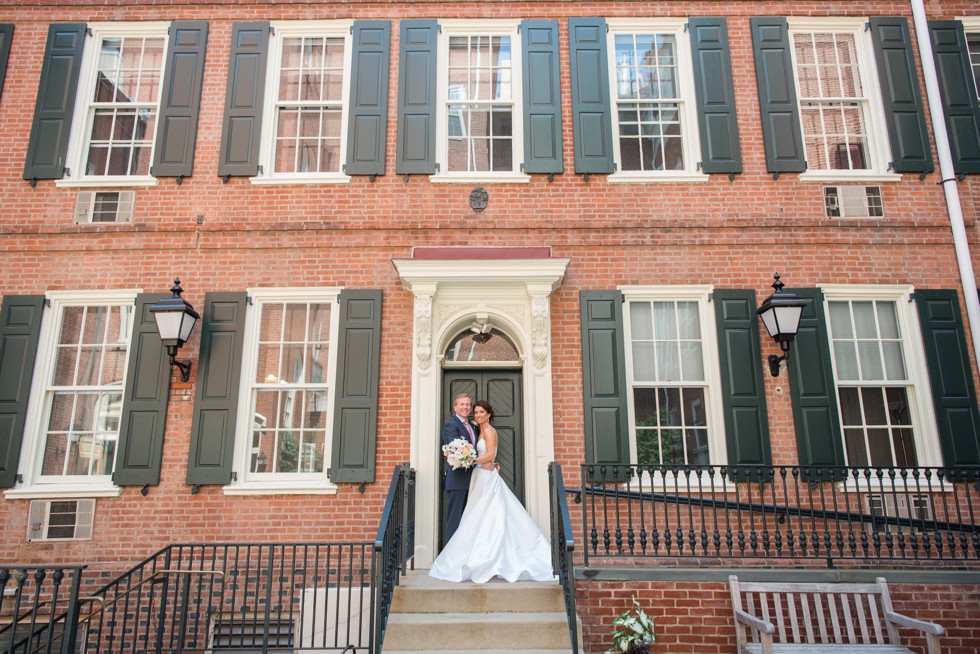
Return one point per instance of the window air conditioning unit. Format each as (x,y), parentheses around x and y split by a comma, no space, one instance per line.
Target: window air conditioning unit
(853,201)
(104,207)
(60,519)
(916,508)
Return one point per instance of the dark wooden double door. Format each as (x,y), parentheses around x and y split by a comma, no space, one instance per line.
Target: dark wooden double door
(502,389)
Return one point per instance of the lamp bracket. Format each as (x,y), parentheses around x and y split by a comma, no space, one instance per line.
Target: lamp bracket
(774,362)
(184,367)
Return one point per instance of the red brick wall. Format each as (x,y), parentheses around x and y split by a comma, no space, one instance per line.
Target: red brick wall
(696,617)
(731,234)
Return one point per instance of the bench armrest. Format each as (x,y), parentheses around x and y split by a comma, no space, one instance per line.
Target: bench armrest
(912,623)
(754,622)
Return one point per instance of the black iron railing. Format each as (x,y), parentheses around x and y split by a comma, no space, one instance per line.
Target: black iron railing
(393,546)
(262,597)
(39,608)
(563,547)
(898,515)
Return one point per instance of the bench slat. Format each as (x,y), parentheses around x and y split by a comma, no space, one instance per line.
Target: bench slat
(783,648)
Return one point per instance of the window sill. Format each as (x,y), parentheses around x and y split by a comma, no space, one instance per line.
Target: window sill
(58,491)
(281,488)
(106,182)
(295,180)
(505,178)
(657,178)
(824,176)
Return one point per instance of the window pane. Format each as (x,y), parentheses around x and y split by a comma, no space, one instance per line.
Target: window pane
(874,406)
(850,406)
(692,362)
(644,364)
(641,323)
(845,356)
(668,362)
(869,356)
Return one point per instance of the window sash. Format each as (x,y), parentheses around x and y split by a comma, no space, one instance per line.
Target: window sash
(835,110)
(297,148)
(287,400)
(126,127)
(84,416)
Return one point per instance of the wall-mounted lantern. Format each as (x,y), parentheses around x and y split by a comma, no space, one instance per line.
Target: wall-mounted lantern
(780,313)
(175,319)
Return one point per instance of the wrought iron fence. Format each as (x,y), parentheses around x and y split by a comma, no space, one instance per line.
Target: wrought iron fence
(899,515)
(196,598)
(39,608)
(562,547)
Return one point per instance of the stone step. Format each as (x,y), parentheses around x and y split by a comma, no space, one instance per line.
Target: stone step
(423,594)
(482,651)
(476,631)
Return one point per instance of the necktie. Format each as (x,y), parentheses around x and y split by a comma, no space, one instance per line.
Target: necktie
(469,430)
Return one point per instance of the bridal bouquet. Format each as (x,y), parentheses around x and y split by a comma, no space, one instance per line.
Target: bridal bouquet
(460,454)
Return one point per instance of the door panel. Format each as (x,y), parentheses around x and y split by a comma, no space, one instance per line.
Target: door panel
(502,389)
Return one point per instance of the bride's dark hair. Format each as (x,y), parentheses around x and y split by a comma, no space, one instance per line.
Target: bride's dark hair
(483,404)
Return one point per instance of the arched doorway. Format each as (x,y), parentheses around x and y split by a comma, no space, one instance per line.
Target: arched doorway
(453,289)
(485,364)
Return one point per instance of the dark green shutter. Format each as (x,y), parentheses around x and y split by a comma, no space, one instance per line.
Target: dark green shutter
(607,434)
(145,397)
(216,394)
(55,102)
(904,114)
(742,387)
(950,376)
(20,327)
(958,92)
(6,34)
(244,100)
(781,131)
(355,418)
(415,152)
(812,388)
(542,97)
(368,98)
(591,112)
(183,77)
(715,96)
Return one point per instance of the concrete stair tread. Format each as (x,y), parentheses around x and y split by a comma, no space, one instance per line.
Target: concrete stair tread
(482,651)
(449,618)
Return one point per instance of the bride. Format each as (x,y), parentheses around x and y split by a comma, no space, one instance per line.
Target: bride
(496,536)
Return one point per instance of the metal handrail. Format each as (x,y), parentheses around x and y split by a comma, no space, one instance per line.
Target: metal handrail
(563,548)
(149,580)
(393,546)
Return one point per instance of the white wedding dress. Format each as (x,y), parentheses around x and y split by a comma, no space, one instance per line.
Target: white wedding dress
(496,537)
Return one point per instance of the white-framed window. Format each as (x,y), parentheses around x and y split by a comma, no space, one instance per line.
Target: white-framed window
(675,405)
(880,376)
(61,519)
(304,135)
(119,91)
(841,114)
(289,362)
(655,123)
(480,120)
(971,26)
(73,418)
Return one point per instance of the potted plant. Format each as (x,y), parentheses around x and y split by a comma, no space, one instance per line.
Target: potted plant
(633,631)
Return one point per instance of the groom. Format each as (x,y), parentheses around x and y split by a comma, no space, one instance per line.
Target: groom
(457,482)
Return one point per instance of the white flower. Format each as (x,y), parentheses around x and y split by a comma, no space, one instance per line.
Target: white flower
(460,454)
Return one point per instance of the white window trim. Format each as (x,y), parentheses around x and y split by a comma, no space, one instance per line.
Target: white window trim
(458,27)
(81,122)
(267,142)
(690,132)
(699,293)
(281,485)
(32,487)
(876,125)
(926,433)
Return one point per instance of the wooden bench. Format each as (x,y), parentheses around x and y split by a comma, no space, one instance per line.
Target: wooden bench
(802,618)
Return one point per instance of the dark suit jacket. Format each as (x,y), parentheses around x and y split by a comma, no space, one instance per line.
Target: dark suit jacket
(453,429)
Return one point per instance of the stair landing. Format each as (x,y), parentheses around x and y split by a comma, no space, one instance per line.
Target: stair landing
(435,616)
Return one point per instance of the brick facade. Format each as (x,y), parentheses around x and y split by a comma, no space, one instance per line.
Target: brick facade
(236,235)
